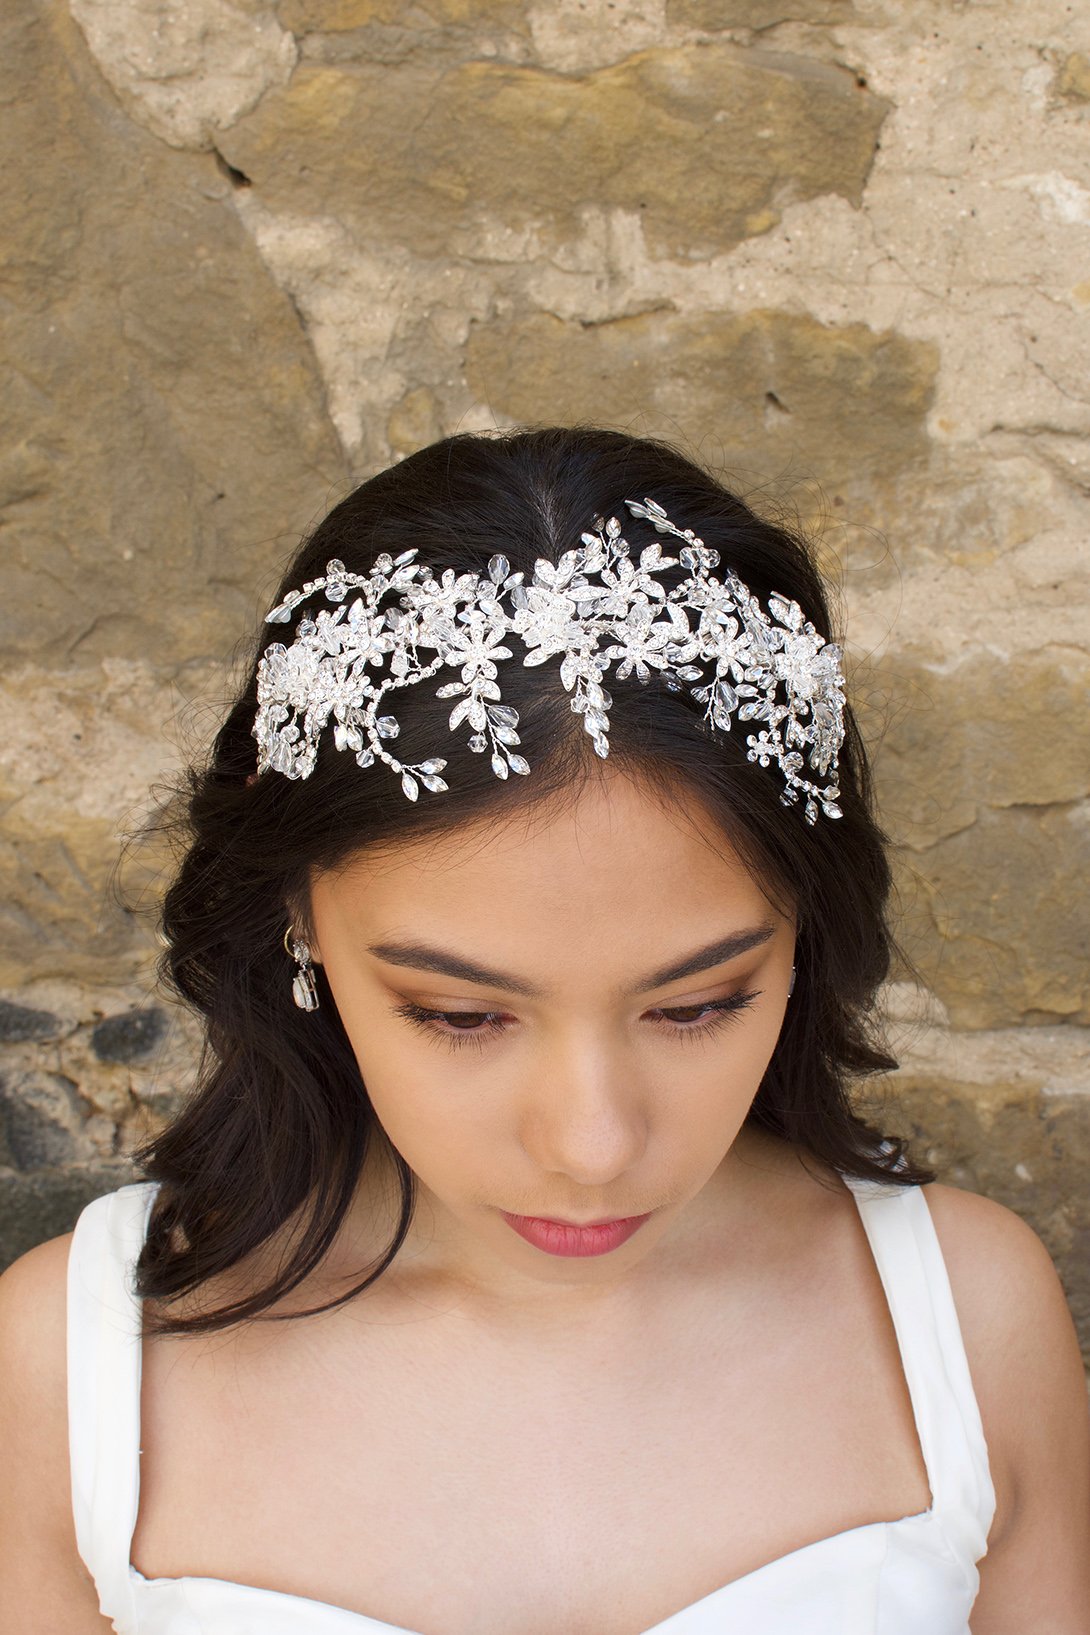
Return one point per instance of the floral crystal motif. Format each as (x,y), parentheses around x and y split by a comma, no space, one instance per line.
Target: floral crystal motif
(770,668)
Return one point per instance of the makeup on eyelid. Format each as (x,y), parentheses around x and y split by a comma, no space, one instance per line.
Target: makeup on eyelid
(428,1019)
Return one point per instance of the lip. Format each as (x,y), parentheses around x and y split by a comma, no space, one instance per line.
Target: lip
(565,1238)
(581,1226)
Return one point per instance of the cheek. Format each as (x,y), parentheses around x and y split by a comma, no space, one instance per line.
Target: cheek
(413,1090)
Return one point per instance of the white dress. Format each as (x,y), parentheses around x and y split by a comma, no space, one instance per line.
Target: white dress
(913,1576)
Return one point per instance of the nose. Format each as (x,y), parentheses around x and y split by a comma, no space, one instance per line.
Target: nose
(585,1114)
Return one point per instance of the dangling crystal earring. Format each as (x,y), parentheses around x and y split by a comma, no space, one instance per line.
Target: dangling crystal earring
(304,989)
(791,984)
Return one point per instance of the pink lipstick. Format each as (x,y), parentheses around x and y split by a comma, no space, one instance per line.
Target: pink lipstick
(558,1238)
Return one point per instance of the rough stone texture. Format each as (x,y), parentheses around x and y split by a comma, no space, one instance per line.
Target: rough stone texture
(47,1202)
(517,151)
(130,1036)
(19,1023)
(187,70)
(1003,1113)
(1073,78)
(715,15)
(837,251)
(165,429)
(781,392)
(334,16)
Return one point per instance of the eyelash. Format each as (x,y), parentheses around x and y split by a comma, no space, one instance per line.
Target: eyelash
(722,1010)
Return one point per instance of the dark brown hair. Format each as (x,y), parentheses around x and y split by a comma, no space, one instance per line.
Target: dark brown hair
(280,1117)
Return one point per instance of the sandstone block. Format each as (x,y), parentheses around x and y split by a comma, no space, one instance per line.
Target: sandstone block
(995,917)
(1073,77)
(706,144)
(980,732)
(778,393)
(721,14)
(165,430)
(335,16)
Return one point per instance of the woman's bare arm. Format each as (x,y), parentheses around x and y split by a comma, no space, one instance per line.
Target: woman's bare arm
(45,1589)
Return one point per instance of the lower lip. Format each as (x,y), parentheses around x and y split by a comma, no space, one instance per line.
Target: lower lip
(557,1239)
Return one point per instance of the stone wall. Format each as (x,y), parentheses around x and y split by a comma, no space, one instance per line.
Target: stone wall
(255,252)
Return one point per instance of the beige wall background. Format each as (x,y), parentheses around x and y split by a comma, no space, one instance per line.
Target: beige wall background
(252,253)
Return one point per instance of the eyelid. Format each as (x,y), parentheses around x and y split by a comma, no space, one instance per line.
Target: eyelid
(418,1013)
(683,1002)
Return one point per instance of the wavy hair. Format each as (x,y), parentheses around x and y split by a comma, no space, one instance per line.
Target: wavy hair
(279,1121)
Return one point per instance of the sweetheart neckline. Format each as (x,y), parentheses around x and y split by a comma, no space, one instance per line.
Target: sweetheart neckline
(366,1619)
(377,1624)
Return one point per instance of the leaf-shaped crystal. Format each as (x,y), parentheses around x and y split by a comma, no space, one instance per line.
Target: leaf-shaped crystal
(788,613)
(517,764)
(432,783)
(563,611)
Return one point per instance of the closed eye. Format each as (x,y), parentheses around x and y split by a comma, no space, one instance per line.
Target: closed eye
(458,1028)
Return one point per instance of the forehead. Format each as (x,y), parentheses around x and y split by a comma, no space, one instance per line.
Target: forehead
(599,875)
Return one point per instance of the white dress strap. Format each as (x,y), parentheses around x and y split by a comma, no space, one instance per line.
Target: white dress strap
(104,1367)
(906,1249)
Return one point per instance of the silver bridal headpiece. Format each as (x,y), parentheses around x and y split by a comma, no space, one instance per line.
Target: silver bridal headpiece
(773,668)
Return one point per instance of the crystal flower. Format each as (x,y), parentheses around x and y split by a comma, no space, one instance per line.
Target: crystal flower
(595,606)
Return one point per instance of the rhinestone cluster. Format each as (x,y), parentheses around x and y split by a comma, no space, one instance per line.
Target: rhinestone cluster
(596,605)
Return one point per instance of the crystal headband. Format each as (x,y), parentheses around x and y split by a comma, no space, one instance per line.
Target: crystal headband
(772,667)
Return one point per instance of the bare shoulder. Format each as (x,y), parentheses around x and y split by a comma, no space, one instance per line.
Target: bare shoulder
(33,1319)
(43,1582)
(1029,1379)
(33,1359)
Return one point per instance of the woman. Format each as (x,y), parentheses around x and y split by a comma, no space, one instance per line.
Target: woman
(553,897)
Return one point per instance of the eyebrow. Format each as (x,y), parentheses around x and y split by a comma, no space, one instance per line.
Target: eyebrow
(419,957)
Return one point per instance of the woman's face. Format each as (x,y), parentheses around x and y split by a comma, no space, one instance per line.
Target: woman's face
(577,1072)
